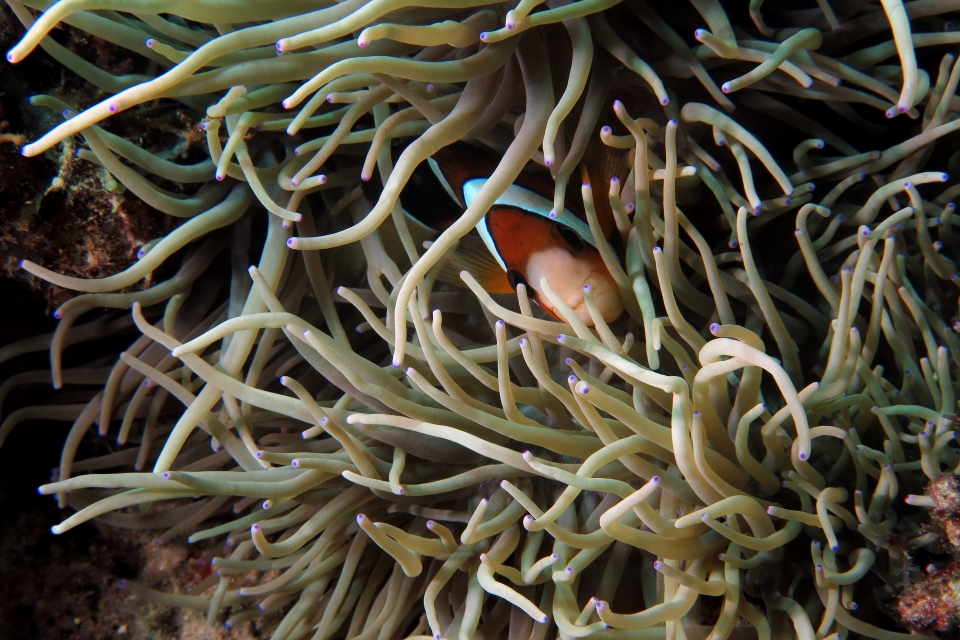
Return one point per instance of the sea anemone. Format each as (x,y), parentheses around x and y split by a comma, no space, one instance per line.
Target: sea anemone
(741,454)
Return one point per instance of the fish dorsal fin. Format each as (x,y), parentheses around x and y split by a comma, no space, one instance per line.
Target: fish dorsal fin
(481,265)
(599,165)
(438,172)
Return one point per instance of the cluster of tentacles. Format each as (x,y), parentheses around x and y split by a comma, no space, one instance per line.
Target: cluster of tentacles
(399,457)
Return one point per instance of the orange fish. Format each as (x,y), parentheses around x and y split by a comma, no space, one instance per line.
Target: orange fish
(527,240)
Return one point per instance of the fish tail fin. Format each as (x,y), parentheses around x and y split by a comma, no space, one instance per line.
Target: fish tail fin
(599,165)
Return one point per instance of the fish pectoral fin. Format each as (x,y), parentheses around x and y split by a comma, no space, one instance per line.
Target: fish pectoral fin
(481,265)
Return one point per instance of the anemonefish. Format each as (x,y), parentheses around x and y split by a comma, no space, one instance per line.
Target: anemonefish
(526,239)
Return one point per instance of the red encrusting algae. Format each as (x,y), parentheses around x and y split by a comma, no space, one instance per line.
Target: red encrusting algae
(933,603)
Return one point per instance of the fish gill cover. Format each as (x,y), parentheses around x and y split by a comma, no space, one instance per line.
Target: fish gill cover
(742,453)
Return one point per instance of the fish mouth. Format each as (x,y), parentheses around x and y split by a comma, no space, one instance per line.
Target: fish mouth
(606,299)
(606,296)
(583,313)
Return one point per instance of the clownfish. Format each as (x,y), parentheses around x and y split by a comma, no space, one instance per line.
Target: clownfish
(525,238)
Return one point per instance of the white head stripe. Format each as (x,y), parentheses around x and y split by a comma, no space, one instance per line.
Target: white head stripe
(488,240)
(521,198)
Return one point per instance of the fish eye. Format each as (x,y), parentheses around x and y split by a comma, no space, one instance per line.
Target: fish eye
(571,238)
(515,278)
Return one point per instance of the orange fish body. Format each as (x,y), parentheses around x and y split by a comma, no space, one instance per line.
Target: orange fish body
(524,235)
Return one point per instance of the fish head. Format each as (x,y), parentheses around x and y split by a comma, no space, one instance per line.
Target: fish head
(536,250)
